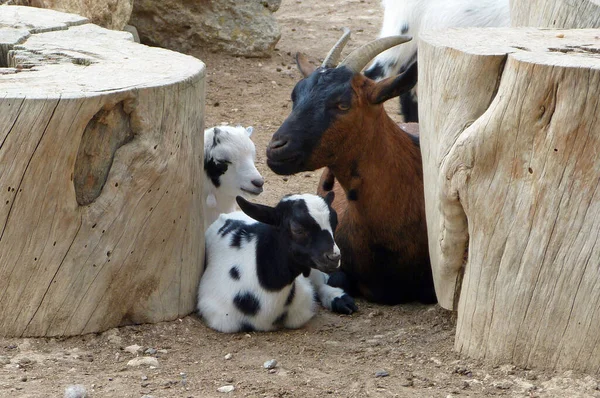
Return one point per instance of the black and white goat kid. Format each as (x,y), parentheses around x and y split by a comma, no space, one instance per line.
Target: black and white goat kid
(229,170)
(264,266)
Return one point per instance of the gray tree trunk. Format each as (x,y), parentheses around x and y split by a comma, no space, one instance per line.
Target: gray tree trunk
(510,141)
(101,152)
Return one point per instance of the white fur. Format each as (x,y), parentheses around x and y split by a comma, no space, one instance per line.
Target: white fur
(428,15)
(217,289)
(236,147)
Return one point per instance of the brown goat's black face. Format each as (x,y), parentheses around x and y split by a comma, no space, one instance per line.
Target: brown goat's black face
(318,101)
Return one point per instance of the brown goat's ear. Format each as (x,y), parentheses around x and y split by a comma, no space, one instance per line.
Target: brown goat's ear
(330,197)
(394,86)
(261,213)
(304,65)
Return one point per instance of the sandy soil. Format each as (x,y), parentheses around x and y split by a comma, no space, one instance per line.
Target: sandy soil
(337,356)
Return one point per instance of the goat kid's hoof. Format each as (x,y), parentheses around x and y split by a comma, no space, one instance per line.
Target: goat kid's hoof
(344,305)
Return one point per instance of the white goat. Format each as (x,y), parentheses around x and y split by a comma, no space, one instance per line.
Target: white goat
(229,170)
(260,265)
(413,17)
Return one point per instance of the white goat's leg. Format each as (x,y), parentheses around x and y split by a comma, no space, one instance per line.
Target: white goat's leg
(332,298)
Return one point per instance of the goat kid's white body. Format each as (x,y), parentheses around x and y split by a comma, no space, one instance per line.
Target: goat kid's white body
(236,147)
(217,289)
(419,16)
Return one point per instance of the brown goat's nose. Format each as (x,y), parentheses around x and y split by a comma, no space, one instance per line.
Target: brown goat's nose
(333,256)
(258,183)
(277,144)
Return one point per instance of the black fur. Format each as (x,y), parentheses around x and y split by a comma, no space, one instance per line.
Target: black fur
(344,305)
(280,320)
(214,170)
(409,108)
(352,195)
(234,273)
(246,327)
(404,28)
(291,296)
(375,72)
(247,303)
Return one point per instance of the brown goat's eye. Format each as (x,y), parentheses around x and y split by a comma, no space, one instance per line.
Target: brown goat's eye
(343,107)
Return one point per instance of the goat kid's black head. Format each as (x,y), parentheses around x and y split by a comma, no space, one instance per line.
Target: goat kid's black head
(329,103)
(306,224)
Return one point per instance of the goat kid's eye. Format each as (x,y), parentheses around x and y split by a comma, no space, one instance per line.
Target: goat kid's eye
(298,231)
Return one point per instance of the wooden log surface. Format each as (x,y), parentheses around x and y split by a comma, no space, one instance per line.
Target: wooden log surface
(101,160)
(510,141)
(556,14)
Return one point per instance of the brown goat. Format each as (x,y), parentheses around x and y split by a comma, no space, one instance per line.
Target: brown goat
(338,120)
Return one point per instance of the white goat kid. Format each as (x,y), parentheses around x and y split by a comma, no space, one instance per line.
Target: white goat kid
(413,17)
(229,170)
(260,266)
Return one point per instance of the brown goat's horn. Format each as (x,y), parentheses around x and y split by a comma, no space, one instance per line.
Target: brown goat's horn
(334,54)
(360,57)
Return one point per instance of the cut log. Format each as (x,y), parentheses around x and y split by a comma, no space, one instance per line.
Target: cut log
(557,14)
(101,152)
(510,141)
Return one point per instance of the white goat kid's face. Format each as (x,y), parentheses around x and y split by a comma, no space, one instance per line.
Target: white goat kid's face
(231,149)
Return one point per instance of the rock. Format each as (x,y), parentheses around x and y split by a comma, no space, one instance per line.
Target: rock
(270,364)
(148,396)
(143,361)
(75,391)
(503,384)
(111,14)
(133,349)
(151,351)
(228,357)
(133,30)
(382,373)
(246,28)
(226,389)
(24,378)
(4,360)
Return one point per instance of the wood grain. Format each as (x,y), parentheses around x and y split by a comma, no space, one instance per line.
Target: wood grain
(132,251)
(510,141)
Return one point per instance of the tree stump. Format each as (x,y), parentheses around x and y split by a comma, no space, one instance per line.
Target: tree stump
(101,143)
(558,14)
(510,141)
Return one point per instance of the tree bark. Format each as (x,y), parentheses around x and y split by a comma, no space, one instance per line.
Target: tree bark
(556,14)
(101,151)
(510,142)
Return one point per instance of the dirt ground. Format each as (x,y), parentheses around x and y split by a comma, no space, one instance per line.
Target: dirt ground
(337,356)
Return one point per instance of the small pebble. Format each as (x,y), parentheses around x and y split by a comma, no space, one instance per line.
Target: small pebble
(278,69)
(151,351)
(144,378)
(272,371)
(226,389)
(270,364)
(228,357)
(381,373)
(4,360)
(560,35)
(75,391)
(133,349)
(141,361)
(148,396)
(24,378)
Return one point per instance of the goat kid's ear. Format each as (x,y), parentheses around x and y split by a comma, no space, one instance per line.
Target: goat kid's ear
(304,65)
(249,130)
(261,213)
(330,197)
(394,86)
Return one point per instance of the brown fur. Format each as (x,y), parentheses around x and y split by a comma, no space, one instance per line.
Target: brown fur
(368,152)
